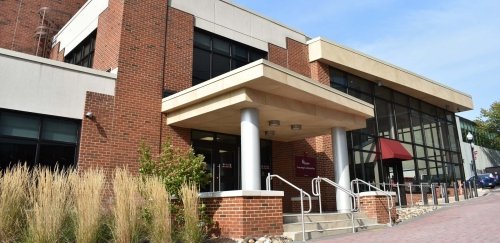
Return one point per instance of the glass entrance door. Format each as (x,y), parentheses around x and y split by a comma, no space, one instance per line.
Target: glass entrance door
(393,171)
(227,163)
(221,156)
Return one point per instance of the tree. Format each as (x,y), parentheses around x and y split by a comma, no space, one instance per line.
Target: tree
(488,125)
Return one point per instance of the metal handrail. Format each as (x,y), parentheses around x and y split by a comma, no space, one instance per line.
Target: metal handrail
(302,193)
(316,191)
(390,203)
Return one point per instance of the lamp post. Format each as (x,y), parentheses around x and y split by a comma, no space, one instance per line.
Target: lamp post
(470,138)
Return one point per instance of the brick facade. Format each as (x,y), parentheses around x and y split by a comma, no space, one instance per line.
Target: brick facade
(19,21)
(277,55)
(284,165)
(179,59)
(376,207)
(135,112)
(95,145)
(55,54)
(296,58)
(239,217)
(107,43)
(320,72)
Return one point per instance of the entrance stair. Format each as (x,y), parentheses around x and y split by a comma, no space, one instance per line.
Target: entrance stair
(326,224)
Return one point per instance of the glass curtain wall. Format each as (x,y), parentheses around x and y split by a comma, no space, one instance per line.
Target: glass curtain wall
(428,133)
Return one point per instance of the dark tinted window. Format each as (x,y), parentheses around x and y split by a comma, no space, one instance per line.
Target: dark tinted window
(37,139)
(83,54)
(215,55)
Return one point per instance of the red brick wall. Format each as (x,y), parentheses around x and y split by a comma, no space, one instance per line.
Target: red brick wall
(314,209)
(180,137)
(95,140)
(178,68)
(95,145)
(298,57)
(138,93)
(277,55)
(179,42)
(239,217)
(136,110)
(55,54)
(295,57)
(284,165)
(325,166)
(376,207)
(320,72)
(18,22)
(135,113)
(107,43)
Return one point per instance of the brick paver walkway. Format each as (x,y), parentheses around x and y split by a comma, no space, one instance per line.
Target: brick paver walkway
(475,220)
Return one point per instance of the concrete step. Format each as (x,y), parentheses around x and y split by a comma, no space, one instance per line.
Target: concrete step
(325,224)
(314,234)
(313,217)
(330,224)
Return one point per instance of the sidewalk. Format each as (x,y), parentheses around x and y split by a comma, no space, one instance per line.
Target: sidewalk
(474,220)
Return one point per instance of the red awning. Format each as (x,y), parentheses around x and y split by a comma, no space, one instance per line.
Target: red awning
(391,149)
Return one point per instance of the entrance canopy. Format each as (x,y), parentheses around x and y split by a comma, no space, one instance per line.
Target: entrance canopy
(277,93)
(391,149)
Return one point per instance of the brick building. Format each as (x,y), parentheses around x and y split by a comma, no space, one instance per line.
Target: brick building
(250,94)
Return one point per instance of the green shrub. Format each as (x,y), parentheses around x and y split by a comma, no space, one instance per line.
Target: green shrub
(174,167)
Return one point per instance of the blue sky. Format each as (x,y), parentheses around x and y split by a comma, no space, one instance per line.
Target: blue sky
(454,42)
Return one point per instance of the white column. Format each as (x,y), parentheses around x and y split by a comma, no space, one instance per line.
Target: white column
(250,149)
(341,165)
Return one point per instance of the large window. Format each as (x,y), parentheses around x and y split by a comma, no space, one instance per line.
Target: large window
(428,132)
(36,139)
(83,54)
(214,55)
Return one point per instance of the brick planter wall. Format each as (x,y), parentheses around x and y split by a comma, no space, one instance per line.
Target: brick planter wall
(375,206)
(238,214)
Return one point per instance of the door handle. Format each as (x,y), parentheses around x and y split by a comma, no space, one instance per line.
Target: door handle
(219,177)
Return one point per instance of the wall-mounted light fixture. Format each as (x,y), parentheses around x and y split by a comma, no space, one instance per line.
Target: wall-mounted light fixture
(274,123)
(89,115)
(269,133)
(296,127)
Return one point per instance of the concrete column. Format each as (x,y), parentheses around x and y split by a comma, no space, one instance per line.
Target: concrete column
(341,165)
(250,149)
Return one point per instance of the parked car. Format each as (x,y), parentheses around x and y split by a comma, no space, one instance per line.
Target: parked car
(496,178)
(484,180)
(495,170)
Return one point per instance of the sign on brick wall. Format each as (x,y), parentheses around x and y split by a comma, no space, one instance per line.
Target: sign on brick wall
(305,166)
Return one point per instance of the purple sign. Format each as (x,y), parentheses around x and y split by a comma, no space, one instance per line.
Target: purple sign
(305,166)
